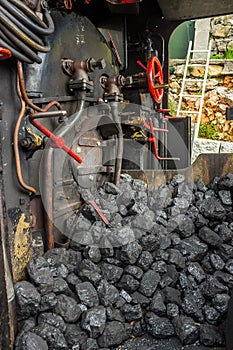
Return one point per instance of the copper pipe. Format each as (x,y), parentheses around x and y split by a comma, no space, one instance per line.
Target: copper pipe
(24,94)
(16,143)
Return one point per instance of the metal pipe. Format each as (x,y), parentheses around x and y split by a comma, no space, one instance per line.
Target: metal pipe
(24,94)
(16,143)
(47,180)
(20,10)
(5,43)
(13,28)
(30,54)
(21,26)
(23,7)
(120,148)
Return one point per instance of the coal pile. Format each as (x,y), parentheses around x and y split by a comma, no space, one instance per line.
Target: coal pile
(163,267)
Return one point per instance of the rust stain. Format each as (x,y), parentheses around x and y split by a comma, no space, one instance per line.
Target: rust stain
(22,250)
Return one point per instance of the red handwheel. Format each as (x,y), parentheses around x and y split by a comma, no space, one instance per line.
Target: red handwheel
(155,78)
(4,53)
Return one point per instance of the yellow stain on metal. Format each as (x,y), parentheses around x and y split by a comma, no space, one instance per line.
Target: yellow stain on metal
(22,249)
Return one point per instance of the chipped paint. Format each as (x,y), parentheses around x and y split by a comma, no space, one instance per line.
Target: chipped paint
(22,250)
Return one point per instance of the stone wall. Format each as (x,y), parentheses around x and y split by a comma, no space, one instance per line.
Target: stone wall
(218,94)
(221,34)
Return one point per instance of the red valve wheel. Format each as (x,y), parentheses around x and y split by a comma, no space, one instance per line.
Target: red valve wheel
(155,77)
(4,53)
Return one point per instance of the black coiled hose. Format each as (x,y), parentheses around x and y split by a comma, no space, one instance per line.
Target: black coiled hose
(22,31)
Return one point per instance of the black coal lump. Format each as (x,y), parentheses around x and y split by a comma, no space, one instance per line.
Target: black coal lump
(94,321)
(91,344)
(157,304)
(111,272)
(220,302)
(52,319)
(211,335)
(149,283)
(212,316)
(48,301)
(52,335)
(145,260)
(226,182)
(132,312)
(114,334)
(28,299)
(30,341)
(195,269)
(68,308)
(130,252)
(209,236)
(134,271)
(129,283)
(87,294)
(138,298)
(171,295)
(40,274)
(108,294)
(159,327)
(186,329)
(75,335)
(216,261)
(212,209)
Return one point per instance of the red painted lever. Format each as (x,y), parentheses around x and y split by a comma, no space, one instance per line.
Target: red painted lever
(152,139)
(57,141)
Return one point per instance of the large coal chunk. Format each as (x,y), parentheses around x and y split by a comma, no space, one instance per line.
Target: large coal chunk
(111,272)
(212,209)
(220,302)
(226,182)
(157,304)
(193,248)
(132,312)
(138,298)
(48,301)
(149,283)
(128,283)
(192,308)
(40,274)
(53,320)
(212,286)
(159,327)
(91,344)
(30,341)
(87,294)
(144,222)
(211,314)
(75,336)
(88,271)
(225,197)
(94,320)
(114,334)
(186,329)
(108,294)
(145,260)
(172,295)
(195,269)
(68,308)
(134,271)
(159,197)
(211,335)
(209,236)
(130,252)
(52,336)
(28,299)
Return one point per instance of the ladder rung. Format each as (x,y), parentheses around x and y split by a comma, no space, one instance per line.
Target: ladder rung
(199,50)
(196,65)
(199,96)
(191,112)
(190,80)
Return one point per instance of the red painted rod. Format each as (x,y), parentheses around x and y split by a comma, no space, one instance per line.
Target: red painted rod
(58,141)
